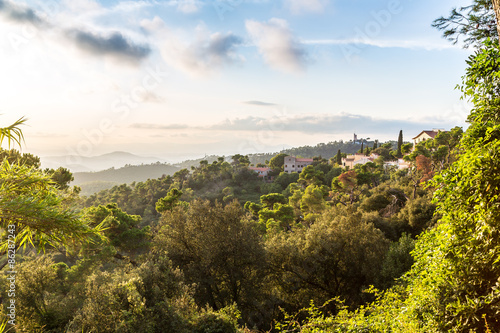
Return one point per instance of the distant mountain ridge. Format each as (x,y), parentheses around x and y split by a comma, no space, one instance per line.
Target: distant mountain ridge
(115,159)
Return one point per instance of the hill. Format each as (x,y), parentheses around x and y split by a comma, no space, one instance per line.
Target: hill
(92,182)
(115,159)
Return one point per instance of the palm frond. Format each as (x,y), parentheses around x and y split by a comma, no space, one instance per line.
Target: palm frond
(13,133)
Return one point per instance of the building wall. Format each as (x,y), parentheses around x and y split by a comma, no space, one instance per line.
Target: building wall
(422,137)
(293,164)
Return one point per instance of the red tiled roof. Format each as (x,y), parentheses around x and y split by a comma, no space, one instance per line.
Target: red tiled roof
(260,169)
(303,159)
(432,134)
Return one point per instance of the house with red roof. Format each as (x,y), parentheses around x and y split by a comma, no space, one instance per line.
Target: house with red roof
(425,135)
(263,172)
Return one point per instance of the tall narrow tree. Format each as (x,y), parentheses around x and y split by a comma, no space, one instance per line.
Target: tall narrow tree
(400,144)
(339,157)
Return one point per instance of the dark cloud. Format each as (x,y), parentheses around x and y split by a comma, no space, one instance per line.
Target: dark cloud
(115,45)
(259,103)
(157,126)
(223,45)
(20,14)
(202,55)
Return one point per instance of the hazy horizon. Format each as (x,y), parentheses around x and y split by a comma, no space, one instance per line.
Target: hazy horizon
(180,79)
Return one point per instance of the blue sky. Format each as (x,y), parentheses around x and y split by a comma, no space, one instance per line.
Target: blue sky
(184,78)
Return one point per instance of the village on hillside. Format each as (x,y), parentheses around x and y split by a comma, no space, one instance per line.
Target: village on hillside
(296,164)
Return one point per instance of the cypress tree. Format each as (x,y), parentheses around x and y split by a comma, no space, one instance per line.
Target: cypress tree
(400,144)
(339,158)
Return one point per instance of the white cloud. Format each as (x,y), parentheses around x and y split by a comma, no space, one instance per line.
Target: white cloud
(405,44)
(199,56)
(81,6)
(302,6)
(277,44)
(188,6)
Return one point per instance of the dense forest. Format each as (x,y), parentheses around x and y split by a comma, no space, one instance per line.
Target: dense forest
(216,248)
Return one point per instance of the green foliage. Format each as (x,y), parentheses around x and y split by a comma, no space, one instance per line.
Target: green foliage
(15,157)
(398,260)
(338,255)
(126,175)
(168,202)
(224,321)
(12,133)
(61,176)
(121,228)
(399,152)
(269,200)
(217,249)
(284,179)
(276,163)
(475,23)
(30,202)
(338,157)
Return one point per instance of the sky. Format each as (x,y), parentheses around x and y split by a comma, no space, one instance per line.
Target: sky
(181,79)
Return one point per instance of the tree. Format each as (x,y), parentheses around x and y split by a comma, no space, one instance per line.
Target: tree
(61,176)
(121,228)
(240,160)
(475,23)
(309,175)
(338,255)
(496,7)
(32,211)
(453,285)
(276,163)
(399,154)
(338,157)
(15,157)
(217,249)
(168,202)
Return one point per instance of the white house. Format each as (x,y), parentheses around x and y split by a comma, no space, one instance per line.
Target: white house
(400,164)
(351,160)
(293,164)
(425,135)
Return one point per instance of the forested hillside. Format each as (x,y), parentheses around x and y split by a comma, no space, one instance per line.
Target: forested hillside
(92,182)
(160,251)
